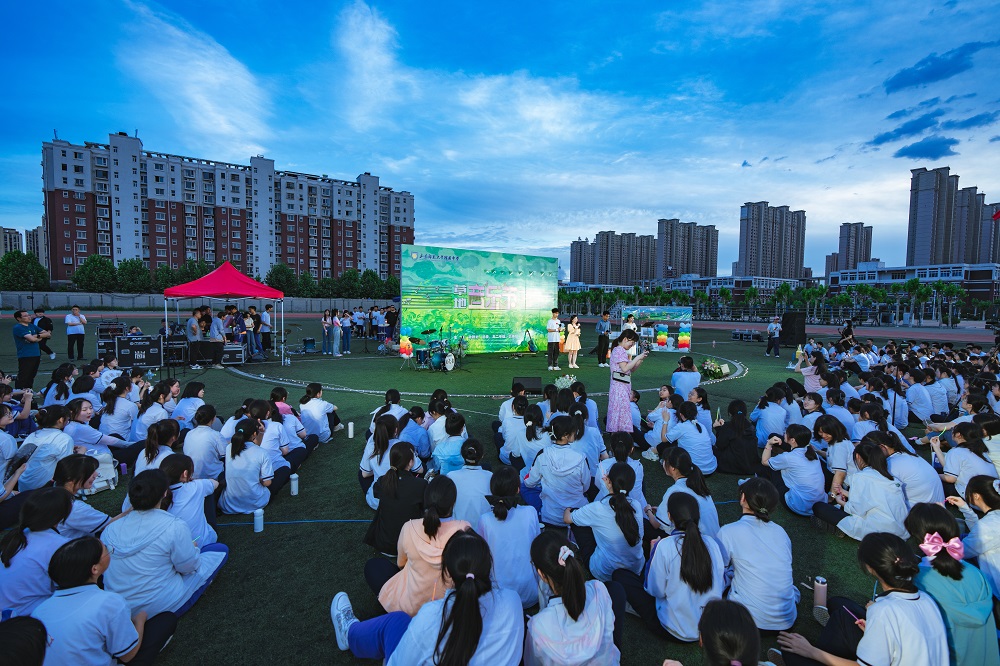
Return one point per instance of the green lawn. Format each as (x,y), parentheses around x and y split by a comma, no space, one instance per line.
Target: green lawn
(271,603)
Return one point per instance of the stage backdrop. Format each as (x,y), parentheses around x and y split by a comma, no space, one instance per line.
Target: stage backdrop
(490,298)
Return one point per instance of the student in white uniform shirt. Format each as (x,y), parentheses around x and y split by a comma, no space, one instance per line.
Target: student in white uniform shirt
(727,635)
(46,446)
(871,417)
(917,397)
(834,406)
(205,446)
(119,412)
(874,503)
(921,483)
(318,415)
(966,459)
(56,392)
(687,479)
(577,625)
(769,416)
(507,406)
(192,398)
(699,397)
(580,393)
(476,623)
(562,473)
(690,435)
(251,481)
(436,432)
(161,441)
(512,424)
(229,427)
(799,477)
(685,378)
(588,441)
(150,411)
(472,483)
(527,443)
(187,499)
(83,387)
(26,549)
(685,573)
(840,463)
(391,407)
(174,387)
(982,496)
(81,411)
(760,554)
(938,394)
(375,459)
(614,540)
(154,562)
(901,627)
(89,626)
(621,448)
(75,473)
(509,528)
(276,442)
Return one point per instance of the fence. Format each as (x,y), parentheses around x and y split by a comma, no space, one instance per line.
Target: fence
(58,300)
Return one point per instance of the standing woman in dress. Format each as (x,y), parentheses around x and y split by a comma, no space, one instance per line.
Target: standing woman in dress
(620,391)
(335,327)
(327,322)
(572,345)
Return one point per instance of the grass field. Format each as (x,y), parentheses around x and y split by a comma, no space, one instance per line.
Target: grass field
(271,602)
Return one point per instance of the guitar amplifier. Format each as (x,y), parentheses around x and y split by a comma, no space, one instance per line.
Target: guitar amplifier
(233,355)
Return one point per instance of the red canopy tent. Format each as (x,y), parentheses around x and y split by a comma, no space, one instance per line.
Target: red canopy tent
(226,282)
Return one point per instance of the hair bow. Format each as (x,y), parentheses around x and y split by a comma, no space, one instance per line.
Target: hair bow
(934,544)
(565,552)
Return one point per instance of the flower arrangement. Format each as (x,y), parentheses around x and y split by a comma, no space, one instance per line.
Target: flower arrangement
(564,381)
(711,370)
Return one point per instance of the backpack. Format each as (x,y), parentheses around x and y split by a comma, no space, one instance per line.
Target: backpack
(107,473)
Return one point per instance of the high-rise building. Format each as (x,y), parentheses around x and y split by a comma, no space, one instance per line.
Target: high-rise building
(11,241)
(855,245)
(121,201)
(612,258)
(684,248)
(989,245)
(969,204)
(34,243)
(832,263)
(581,261)
(772,241)
(932,217)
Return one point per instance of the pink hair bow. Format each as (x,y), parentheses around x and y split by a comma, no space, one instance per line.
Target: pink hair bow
(934,544)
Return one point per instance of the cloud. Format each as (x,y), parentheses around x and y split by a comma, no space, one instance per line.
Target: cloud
(955,98)
(909,128)
(212,95)
(931,148)
(979,120)
(936,67)
(994,139)
(902,113)
(825,159)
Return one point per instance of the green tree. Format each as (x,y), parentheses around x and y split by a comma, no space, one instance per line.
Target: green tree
(134,277)
(192,270)
(327,288)
(952,293)
(923,294)
(307,287)
(282,278)
(371,284)
(349,284)
(750,296)
(897,290)
(911,287)
(726,296)
(782,294)
(163,277)
(390,288)
(96,274)
(20,271)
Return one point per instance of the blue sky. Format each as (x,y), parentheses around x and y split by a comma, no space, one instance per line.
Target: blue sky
(522,125)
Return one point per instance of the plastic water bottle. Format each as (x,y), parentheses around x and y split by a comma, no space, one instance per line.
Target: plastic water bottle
(350,430)
(258,520)
(819,591)
(294,478)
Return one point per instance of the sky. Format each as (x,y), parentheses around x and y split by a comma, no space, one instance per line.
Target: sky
(521,126)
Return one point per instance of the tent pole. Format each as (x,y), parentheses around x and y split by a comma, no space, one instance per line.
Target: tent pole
(283,342)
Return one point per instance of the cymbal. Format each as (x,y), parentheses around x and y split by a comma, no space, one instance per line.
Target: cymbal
(417,341)
(428,331)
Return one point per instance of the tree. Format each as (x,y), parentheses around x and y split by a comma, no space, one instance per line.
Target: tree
(192,270)
(164,277)
(897,291)
(282,278)
(307,286)
(951,293)
(371,284)
(750,296)
(22,271)
(911,287)
(923,294)
(96,274)
(134,277)
(938,287)
(349,284)
(782,294)
(327,288)
(390,288)
(726,296)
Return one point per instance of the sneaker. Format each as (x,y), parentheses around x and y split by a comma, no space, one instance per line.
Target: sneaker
(821,614)
(196,367)
(342,615)
(775,657)
(52,356)
(337,355)
(550,367)
(556,367)
(219,366)
(766,354)
(340,426)
(651,454)
(347,352)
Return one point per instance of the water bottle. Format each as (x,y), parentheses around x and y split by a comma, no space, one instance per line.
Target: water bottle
(258,520)
(819,591)
(294,478)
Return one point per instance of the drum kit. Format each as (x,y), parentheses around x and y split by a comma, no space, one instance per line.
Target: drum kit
(439,354)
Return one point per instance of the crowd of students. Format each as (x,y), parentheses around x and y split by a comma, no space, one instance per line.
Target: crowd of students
(462,550)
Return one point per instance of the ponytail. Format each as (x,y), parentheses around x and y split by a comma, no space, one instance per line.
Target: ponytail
(49,417)
(696,562)
(621,446)
(416,412)
(439,501)
(873,456)
(689,411)
(472,452)
(802,437)
(312,390)
(153,395)
(111,393)
(761,497)
(578,412)
(159,433)
(468,562)
(680,460)
(891,559)
(503,496)
(245,431)
(972,433)
(400,458)
(622,478)
(533,422)
(926,519)
(391,398)
(42,510)
(889,440)
(244,409)
(385,429)
(557,558)
(205,415)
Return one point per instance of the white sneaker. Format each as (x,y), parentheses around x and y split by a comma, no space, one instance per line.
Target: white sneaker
(340,426)
(52,356)
(556,367)
(196,367)
(338,355)
(342,615)
(219,366)
(651,454)
(550,367)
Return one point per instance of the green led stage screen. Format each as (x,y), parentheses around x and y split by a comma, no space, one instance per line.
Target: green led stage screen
(489,298)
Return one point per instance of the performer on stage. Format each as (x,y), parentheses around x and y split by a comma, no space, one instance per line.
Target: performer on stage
(603,329)
(553,326)
(620,391)
(572,345)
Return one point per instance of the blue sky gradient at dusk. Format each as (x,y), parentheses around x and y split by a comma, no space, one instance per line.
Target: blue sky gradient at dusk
(520,126)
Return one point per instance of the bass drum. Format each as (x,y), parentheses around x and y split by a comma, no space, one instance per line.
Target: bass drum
(437,360)
(449,362)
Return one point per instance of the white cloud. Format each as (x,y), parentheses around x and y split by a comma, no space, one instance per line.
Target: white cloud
(219,104)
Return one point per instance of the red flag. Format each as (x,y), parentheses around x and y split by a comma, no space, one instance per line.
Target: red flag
(996,215)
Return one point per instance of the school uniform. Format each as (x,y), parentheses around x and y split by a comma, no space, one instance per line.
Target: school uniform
(509,429)
(685,382)
(245,492)
(51,446)
(967,607)
(903,628)
(770,420)
(140,425)
(963,464)
(950,389)
(546,410)
(983,542)
(592,420)
(656,418)
(316,419)
(184,411)
(86,626)
(875,504)
(840,458)
(416,436)
(939,397)
(510,543)
(8,449)
(678,607)
(229,428)
(275,437)
(50,396)
(695,439)
(705,419)
(394,410)
(708,523)
(793,411)
(374,466)
(119,422)
(530,448)
(612,552)
(591,445)
(898,410)
(448,454)
(25,583)
(92,397)
(636,493)
(920,481)
(141,464)
(803,478)
(862,428)
(564,477)
(154,562)
(500,643)
(83,435)
(83,520)
(919,401)
(849,391)
(506,409)
(295,432)
(636,417)
(473,484)
(556,639)
(205,447)
(436,432)
(760,554)
(188,504)
(843,415)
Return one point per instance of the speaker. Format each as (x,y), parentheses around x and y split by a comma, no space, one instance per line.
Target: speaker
(532,385)
(793,329)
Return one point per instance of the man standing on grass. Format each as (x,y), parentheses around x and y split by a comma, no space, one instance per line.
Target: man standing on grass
(552,327)
(27,337)
(603,331)
(44,324)
(265,328)
(773,332)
